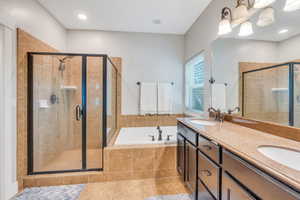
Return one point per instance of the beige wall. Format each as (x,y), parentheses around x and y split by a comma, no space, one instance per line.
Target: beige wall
(159,55)
(26,43)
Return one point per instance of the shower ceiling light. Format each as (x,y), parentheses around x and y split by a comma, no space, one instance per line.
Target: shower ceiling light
(225,23)
(263,3)
(292,5)
(266,17)
(246,29)
(82,16)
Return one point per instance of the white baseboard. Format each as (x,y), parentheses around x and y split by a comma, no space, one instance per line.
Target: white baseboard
(11,190)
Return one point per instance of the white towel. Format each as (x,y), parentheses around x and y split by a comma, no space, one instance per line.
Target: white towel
(148,98)
(165,98)
(219,96)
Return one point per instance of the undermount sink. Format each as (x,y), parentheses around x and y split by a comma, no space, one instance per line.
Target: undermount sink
(284,156)
(202,122)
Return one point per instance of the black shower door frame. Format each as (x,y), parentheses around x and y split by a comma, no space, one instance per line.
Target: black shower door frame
(290,66)
(30,107)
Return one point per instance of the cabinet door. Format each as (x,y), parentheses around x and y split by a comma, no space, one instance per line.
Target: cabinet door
(231,190)
(180,156)
(191,155)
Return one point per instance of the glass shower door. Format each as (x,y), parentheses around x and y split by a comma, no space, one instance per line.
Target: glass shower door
(57,113)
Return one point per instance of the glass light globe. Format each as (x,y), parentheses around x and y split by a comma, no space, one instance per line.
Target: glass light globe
(246,29)
(224,27)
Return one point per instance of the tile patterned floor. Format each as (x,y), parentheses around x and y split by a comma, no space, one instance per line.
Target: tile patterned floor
(133,189)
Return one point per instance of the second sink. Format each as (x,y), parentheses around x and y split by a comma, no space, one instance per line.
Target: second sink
(284,156)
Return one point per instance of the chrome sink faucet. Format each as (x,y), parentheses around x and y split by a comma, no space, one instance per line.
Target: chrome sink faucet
(159,133)
(230,111)
(219,116)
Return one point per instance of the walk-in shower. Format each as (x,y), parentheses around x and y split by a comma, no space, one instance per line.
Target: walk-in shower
(71,111)
(272,94)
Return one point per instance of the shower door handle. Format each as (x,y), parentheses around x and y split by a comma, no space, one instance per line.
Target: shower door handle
(78,112)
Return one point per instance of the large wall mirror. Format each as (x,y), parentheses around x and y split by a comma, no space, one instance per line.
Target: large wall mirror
(260,73)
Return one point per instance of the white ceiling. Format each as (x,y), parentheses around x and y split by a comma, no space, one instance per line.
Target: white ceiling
(176,16)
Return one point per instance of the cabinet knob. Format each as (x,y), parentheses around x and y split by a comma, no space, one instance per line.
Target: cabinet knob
(206,172)
(207,147)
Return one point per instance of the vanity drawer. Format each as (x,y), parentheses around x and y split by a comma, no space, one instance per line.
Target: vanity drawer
(181,129)
(188,133)
(209,174)
(209,148)
(261,184)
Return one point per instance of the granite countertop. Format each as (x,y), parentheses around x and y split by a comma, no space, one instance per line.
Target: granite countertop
(245,142)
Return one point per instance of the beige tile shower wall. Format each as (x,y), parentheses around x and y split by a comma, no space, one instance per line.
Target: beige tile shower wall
(46,141)
(94,101)
(26,43)
(113,121)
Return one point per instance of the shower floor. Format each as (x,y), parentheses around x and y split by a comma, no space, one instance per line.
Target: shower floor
(71,159)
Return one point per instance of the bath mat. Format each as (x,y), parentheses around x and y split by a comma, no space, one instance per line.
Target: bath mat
(171,197)
(65,192)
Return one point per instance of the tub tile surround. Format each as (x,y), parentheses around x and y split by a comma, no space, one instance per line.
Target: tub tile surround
(120,163)
(145,121)
(244,142)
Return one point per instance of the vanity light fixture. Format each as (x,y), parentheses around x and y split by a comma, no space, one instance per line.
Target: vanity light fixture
(291,5)
(246,29)
(241,9)
(266,17)
(262,3)
(225,23)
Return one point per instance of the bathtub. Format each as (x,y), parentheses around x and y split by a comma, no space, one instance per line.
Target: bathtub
(142,135)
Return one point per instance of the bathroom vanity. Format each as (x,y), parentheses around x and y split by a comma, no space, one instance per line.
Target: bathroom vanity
(221,162)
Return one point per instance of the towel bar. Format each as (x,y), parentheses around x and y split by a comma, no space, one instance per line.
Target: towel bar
(139,83)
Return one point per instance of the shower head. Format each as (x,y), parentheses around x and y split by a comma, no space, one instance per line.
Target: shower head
(62,64)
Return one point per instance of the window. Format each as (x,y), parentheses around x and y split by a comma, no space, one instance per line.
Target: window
(194,78)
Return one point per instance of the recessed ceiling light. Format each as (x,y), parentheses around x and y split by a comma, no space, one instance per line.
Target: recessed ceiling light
(283,31)
(156,21)
(82,16)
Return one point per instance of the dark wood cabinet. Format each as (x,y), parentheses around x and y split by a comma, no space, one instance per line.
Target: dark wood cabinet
(231,190)
(209,174)
(214,173)
(263,185)
(191,163)
(180,156)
